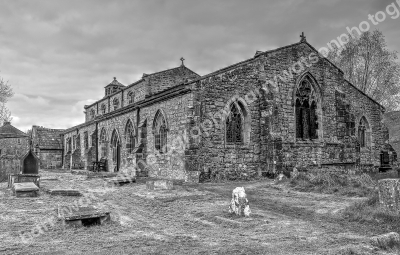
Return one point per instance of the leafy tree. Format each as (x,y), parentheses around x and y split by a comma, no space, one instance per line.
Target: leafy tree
(369,65)
(6,93)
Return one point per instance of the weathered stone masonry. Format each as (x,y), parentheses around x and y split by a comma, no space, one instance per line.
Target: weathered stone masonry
(282,108)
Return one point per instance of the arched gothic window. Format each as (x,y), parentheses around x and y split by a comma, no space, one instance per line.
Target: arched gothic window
(363,132)
(103,109)
(116,103)
(78,141)
(103,141)
(306,111)
(68,143)
(131,97)
(234,124)
(103,135)
(130,137)
(160,133)
(115,146)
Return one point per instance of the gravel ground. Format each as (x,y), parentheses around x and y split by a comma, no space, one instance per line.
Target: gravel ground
(191,219)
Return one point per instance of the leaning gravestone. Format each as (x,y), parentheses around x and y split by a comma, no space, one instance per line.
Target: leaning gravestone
(389,194)
(239,203)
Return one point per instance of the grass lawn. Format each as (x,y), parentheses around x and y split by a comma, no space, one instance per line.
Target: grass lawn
(191,219)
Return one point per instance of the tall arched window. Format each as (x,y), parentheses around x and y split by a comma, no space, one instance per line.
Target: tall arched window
(103,109)
(160,133)
(103,141)
(130,137)
(115,143)
(68,145)
(78,142)
(116,103)
(363,132)
(234,124)
(306,110)
(131,98)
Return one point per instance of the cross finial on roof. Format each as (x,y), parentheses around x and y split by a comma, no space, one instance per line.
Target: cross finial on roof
(303,37)
(182,59)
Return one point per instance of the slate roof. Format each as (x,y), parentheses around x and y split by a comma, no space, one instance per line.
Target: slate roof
(9,131)
(115,82)
(47,138)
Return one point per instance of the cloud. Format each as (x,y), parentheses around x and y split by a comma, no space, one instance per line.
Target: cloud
(58,55)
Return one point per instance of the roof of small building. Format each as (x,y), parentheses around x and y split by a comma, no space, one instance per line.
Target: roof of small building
(115,82)
(9,131)
(46,138)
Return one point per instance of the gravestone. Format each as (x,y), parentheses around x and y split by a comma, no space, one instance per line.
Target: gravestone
(160,184)
(389,194)
(82,216)
(239,203)
(121,180)
(25,189)
(30,163)
(64,192)
(19,178)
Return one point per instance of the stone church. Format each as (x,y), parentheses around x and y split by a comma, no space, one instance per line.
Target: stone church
(282,108)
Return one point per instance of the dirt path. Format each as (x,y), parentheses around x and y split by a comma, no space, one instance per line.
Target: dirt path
(192,219)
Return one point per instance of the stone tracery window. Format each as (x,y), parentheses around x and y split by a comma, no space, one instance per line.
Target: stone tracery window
(306,111)
(160,133)
(234,125)
(103,109)
(130,137)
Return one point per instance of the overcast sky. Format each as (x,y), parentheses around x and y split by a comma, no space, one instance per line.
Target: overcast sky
(58,55)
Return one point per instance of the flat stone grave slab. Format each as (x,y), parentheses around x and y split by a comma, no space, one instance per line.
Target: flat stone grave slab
(82,216)
(25,189)
(19,178)
(64,192)
(159,184)
(121,180)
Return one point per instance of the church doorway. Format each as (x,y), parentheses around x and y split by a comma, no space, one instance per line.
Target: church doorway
(116,151)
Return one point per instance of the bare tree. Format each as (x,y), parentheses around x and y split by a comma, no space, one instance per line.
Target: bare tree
(6,93)
(370,66)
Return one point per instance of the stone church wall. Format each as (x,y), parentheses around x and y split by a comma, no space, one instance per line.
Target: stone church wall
(213,95)
(171,164)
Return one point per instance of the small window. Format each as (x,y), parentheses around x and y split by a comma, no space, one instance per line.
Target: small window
(94,138)
(103,109)
(92,114)
(131,97)
(116,103)
(19,140)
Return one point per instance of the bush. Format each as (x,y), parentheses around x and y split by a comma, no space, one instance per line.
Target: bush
(370,211)
(344,184)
